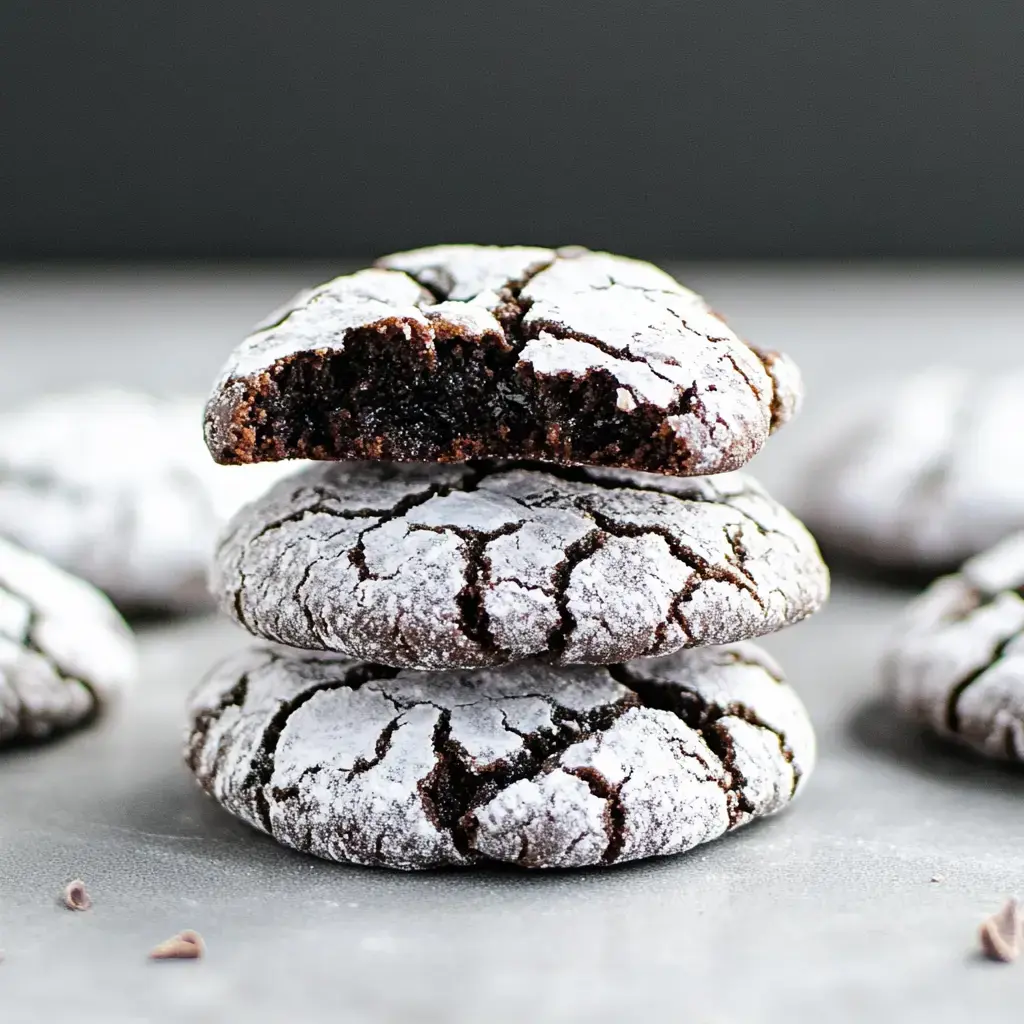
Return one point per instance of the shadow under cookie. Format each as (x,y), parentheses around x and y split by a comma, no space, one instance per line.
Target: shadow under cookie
(878,726)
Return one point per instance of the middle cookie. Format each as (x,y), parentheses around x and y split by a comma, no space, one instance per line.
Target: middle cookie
(461,566)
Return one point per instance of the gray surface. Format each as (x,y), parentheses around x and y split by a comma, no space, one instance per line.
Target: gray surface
(827,912)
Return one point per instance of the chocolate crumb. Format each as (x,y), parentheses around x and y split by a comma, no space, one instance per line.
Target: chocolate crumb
(1000,934)
(186,945)
(76,897)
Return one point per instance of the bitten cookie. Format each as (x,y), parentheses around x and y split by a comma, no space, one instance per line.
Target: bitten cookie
(459,566)
(461,352)
(530,765)
(64,651)
(924,476)
(957,661)
(118,488)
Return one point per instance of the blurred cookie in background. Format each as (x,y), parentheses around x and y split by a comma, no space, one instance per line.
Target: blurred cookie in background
(957,662)
(922,476)
(117,487)
(64,650)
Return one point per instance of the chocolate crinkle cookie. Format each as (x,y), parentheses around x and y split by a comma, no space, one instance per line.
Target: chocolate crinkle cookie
(118,488)
(924,476)
(461,566)
(529,765)
(64,651)
(462,352)
(957,661)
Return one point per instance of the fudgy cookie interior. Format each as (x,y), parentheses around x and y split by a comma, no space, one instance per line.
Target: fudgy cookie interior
(383,398)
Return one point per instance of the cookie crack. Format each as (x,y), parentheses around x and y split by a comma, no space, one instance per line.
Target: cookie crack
(581,550)
(456,787)
(261,766)
(734,535)
(380,750)
(575,554)
(699,565)
(314,631)
(560,333)
(703,716)
(646,290)
(953,701)
(382,515)
(357,556)
(755,390)
(737,656)
(29,642)
(614,810)
(473,617)
(514,308)
(203,722)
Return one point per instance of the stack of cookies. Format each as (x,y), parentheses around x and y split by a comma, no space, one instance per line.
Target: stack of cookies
(497,602)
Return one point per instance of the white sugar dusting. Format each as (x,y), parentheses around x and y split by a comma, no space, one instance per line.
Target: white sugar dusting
(64,651)
(323,561)
(355,774)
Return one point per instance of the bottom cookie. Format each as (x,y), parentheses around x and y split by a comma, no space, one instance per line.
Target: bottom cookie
(529,765)
(957,661)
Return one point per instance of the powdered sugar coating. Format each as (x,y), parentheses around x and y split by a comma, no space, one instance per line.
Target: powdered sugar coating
(957,660)
(529,765)
(570,342)
(458,566)
(323,315)
(117,487)
(926,476)
(470,273)
(64,651)
(658,339)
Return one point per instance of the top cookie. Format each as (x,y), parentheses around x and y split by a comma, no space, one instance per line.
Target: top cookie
(460,352)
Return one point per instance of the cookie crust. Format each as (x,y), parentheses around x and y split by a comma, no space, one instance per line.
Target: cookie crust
(460,566)
(528,765)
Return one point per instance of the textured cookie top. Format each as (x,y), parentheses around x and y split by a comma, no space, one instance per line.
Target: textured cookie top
(435,566)
(64,651)
(117,487)
(956,662)
(531,765)
(462,351)
(925,475)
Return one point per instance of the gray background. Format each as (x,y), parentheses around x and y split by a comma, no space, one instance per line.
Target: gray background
(825,913)
(670,128)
